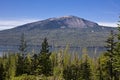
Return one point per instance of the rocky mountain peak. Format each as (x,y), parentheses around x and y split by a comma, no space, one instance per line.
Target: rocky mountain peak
(73,22)
(60,22)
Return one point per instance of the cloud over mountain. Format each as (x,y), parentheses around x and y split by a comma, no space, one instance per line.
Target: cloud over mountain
(7,24)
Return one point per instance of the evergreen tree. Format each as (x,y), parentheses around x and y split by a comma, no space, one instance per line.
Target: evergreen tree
(44,59)
(21,57)
(110,54)
(116,63)
(99,70)
(86,73)
(2,72)
(10,67)
(19,65)
(23,45)
(28,65)
(72,70)
(35,64)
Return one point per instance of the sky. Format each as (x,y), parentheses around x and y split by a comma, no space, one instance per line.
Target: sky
(18,12)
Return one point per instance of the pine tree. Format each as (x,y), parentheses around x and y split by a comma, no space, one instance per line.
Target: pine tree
(116,63)
(44,59)
(21,57)
(27,64)
(35,64)
(86,73)
(99,70)
(19,65)
(2,72)
(23,45)
(10,67)
(110,54)
(72,71)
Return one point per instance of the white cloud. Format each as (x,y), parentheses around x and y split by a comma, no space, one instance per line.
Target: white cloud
(110,24)
(7,24)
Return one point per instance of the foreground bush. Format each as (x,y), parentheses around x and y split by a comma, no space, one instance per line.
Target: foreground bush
(26,77)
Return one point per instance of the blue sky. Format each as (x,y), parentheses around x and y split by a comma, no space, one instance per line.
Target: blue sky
(18,12)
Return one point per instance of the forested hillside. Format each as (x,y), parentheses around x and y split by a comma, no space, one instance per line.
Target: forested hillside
(72,30)
(62,65)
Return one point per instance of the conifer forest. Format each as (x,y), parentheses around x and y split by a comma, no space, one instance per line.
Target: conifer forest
(62,64)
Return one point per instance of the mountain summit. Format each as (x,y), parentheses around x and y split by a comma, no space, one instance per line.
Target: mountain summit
(60,22)
(76,31)
(73,22)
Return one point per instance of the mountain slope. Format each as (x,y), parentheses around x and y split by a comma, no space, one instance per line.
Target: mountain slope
(56,23)
(60,31)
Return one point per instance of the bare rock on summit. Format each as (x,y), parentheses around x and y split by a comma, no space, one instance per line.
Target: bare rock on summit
(75,22)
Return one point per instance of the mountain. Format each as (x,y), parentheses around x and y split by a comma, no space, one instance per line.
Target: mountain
(72,30)
(57,23)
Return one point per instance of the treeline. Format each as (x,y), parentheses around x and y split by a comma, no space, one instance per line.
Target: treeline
(62,65)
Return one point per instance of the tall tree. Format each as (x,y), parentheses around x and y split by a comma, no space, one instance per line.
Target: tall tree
(117,55)
(72,71)
(35,64)
(23,45)
(110,54)
(86,73)
(2,72)
(10,67)
(99,70)
(21,56)
(19,65)
(44,59)
(28,65)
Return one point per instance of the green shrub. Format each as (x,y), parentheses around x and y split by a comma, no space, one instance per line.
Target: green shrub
(25,77)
